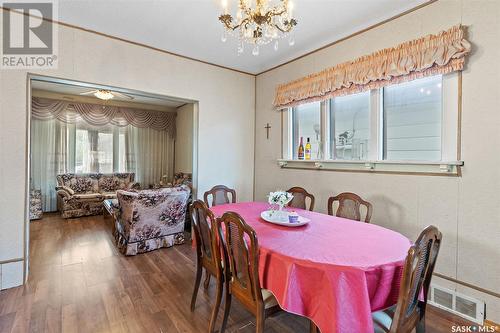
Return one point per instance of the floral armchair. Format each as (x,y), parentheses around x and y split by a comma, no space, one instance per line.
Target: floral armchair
(83,194)
(151,219)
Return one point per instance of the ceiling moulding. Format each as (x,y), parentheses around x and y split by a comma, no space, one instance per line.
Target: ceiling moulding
(221,66)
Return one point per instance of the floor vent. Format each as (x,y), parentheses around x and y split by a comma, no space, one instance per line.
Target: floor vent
(459,304)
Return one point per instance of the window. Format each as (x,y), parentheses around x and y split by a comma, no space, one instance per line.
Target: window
(412,120)
(95,150)
(105,152)
(350,127)
(409,123)
(307,120)
(122,162)
(82,152)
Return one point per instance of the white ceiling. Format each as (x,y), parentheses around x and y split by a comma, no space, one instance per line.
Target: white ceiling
(77,90)
(191,27)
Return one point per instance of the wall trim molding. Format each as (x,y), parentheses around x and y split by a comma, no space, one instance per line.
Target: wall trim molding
(468,285)
(69,25)
(8,261)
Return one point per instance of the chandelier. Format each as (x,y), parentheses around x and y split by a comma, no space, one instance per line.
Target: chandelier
(259,25)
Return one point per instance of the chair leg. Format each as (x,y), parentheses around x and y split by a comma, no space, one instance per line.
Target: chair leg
(196,285)
(420,326)
(207,279)
(227,307)
(215,309)
(260,320)
(313,328)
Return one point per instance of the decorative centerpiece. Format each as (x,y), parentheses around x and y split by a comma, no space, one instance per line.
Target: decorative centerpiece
(280,199)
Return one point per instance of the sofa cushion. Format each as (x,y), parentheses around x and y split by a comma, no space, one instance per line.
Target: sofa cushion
(108,183)
(88,196)
(80,183)
(123,180)
(108,195)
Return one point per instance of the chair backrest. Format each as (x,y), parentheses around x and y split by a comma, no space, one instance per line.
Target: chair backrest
(349,206)
(417,274)
(206,237)
(299,198)
(241,253)
(220,195)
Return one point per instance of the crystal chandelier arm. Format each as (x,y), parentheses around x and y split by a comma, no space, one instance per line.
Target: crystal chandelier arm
(227,20)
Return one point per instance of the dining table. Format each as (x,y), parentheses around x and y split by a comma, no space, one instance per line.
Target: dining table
(333,270)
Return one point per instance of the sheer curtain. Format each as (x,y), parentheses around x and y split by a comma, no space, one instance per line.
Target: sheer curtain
(149,153)
(79,138)
(51,152)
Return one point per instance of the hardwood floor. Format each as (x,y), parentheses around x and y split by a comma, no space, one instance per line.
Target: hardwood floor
(79,282)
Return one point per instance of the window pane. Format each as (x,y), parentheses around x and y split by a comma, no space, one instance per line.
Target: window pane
(306,120)
(122,166)
(350,126)
(412,118)
(93,149)
(105,152)
(82,152)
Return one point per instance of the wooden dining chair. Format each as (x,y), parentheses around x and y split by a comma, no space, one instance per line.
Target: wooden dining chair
(208,255)
(299,198)
(409,312)
(349,206)
(220,195)
(241,258)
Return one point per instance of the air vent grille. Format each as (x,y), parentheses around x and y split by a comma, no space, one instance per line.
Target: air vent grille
(459,304)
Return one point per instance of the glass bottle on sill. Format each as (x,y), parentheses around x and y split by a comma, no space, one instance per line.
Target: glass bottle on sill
(308,149)
(300,152)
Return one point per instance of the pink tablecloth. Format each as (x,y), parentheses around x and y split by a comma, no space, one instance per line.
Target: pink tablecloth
(333,271)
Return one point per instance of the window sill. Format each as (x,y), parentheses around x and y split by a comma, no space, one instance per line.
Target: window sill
(443,168)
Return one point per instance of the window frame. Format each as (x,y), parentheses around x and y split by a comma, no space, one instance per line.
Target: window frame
(450,162)
(115,131)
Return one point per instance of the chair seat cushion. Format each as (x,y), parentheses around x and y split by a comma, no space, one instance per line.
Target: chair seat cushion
(109,195)
(88,196)
(269,299)
(382,319)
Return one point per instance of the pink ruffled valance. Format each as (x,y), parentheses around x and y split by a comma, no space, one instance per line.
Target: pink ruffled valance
(99,115)
(430,55)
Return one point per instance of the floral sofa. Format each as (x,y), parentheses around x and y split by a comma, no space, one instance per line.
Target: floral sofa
(83,194)
(150,219)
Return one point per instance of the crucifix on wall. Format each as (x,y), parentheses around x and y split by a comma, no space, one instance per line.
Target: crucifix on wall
(267,127)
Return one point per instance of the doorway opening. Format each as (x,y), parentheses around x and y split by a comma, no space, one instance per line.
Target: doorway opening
(87,142)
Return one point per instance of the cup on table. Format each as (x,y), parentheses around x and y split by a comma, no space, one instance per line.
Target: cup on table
(293,217)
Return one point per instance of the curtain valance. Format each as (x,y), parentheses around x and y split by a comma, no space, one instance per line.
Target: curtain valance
(99,115)
(430,55)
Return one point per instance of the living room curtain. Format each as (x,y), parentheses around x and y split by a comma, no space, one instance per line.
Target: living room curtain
(101,115)
(63,141)
(430,55)
(50,151)
(149,154)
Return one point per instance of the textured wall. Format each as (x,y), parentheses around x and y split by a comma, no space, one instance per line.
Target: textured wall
(226,110)
(466,209)
(184,139)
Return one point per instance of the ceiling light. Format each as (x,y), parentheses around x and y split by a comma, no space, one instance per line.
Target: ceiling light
(259,25)
(104,94)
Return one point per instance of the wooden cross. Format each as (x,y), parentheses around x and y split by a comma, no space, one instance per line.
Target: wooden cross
(267,127)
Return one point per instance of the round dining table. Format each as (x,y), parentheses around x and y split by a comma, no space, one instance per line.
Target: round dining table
(334,271)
